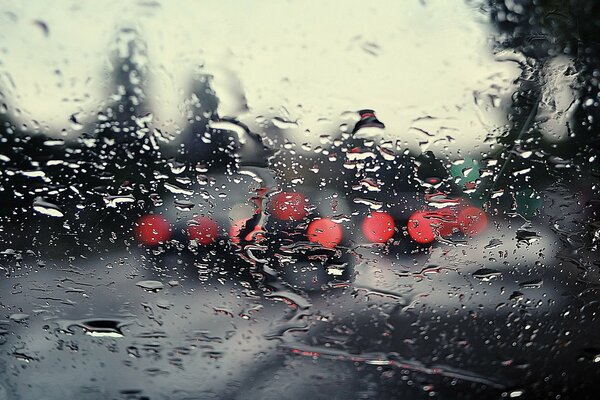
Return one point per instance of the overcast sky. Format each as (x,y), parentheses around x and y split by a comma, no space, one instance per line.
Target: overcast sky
(304,61)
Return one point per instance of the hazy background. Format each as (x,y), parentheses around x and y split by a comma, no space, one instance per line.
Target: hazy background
(305,62)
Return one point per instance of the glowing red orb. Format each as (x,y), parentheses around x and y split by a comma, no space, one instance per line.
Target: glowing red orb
(288,206)
(325,232)
(203,229)
(420,227)
(378,227)
(152,229)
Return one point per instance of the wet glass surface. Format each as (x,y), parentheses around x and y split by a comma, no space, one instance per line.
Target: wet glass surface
(339,201)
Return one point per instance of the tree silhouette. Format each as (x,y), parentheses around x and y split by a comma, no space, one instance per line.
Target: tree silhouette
(541,31)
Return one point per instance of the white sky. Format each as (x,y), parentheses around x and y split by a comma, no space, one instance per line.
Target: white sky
(313,58)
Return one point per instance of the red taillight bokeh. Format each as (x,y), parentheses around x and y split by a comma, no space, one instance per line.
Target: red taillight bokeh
(288,206)
(152,229)
(420,227)
(324,231)
(203,229)
(378,227)
(424,225)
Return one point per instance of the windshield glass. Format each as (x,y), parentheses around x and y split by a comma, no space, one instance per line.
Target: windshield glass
(291,200)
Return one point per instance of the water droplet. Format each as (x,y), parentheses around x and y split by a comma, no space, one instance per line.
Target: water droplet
(19,317)
(486,274)
(150,286)
(114,201)
(44,207)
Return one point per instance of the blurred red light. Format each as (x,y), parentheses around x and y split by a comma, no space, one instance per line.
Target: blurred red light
(288,206)
(325,232)
(378,227)
(420,228)
(203,229)
(152,229)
